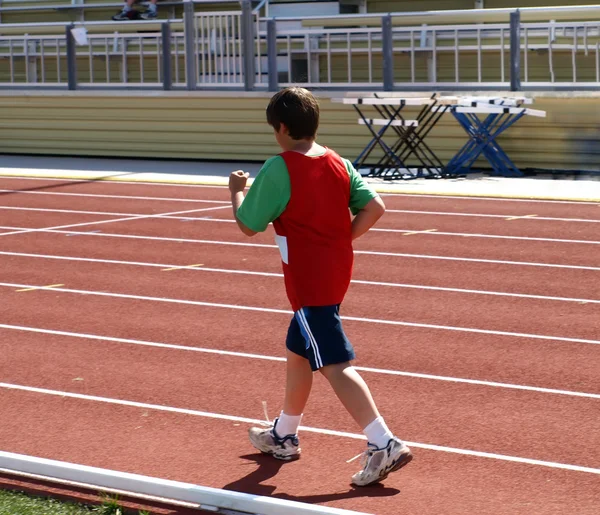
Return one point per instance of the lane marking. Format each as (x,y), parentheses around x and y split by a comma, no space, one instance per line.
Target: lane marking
(128,197)
(521,217)
(48,287)
(493,236)
(169,267)
(75,234)
(403,211)
(485,215)
(263,357)
(419,232)
(188,267)
(498,198)
(219,416)
(288,312)
(136,217)
(105,213)
(404,232)
(269,246)
(95,179)
(383,190)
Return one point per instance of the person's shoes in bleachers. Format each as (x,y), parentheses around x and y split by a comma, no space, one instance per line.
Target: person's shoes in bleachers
(148,14)
(126,15)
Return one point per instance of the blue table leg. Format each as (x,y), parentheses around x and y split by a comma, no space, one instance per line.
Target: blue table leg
(482,140)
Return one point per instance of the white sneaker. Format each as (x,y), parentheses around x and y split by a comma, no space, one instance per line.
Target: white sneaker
(269,442)
(379,463)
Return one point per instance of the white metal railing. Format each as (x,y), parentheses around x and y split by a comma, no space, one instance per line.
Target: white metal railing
(106,60)
(215,50)
(474,55)
(219,49)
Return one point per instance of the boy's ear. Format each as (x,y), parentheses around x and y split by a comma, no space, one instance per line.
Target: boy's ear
(283,129)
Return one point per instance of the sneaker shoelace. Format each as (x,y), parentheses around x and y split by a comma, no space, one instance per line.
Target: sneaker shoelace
(365,454)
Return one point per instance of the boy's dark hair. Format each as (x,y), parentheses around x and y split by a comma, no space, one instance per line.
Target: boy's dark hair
(297,109)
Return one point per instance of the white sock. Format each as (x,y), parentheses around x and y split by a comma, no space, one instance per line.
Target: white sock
(378,433)
(287,425)
(153,8)
(126,8)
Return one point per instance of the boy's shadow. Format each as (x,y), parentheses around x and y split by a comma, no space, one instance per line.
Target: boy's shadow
(269,467)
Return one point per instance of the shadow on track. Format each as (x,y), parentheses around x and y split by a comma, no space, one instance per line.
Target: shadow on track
(269,467)
(59,184)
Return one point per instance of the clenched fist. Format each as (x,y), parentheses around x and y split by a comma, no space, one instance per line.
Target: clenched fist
(237,181)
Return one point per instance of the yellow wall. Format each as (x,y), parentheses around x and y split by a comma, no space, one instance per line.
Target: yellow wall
(231,126)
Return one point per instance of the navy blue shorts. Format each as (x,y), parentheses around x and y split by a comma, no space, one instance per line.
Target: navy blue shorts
(316,334)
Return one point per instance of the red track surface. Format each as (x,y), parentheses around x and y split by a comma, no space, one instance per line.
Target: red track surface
(447,334)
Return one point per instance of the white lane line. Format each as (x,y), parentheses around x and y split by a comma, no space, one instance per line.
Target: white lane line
(434,232)
(406,232)
(468,260)
(269,246)
(128,197)
(196,267)
(288,312)
(95,179)
(404,211)
(497,199)
(282,359)
(387,194)
(483,215)
(107,213)
(219,416)
(113,220)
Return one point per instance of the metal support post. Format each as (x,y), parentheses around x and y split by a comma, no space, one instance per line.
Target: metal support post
(189,27)
(515,51)
(248,45)
(388,53)
(71,59)
(272,55)
(167,76)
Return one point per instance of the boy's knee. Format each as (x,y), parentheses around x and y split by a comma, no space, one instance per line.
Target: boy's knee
(330,371)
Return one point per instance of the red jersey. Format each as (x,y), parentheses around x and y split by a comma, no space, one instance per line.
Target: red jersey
(314,232)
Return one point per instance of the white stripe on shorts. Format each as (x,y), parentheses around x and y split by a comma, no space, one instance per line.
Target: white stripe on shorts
(313,341)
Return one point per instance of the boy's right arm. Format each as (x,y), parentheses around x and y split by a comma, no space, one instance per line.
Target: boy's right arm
(365,203)
(266,199)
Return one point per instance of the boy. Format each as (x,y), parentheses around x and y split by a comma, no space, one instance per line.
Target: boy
(307,192)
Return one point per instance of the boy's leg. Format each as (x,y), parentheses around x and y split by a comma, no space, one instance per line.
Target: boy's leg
(299,378)
(281,440)
(298,383)
(385,453)
(353,392)
(331,351)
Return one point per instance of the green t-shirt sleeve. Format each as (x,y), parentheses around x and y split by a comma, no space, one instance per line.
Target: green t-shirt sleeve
(267,197)
(360,191)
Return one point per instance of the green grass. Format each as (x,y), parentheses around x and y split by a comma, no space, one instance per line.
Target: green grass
(18,503)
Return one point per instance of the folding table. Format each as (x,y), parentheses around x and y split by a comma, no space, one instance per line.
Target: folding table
(407,155)
(483,133)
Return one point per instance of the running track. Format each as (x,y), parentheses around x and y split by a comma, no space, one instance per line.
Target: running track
(476,323)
